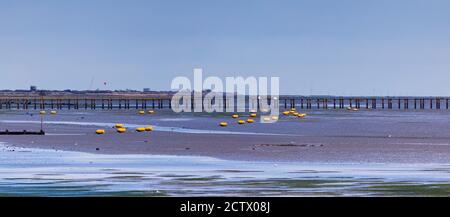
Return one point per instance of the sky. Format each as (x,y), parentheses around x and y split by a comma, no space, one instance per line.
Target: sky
(345,47)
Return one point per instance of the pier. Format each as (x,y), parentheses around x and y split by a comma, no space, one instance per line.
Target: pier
(164,102)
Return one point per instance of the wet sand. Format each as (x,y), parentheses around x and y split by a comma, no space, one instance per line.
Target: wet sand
(44,172)
(324,136)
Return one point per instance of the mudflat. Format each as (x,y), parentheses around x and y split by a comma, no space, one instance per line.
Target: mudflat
(323,136)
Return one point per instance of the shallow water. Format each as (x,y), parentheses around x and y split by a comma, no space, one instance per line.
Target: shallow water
(155,128)
(37,172)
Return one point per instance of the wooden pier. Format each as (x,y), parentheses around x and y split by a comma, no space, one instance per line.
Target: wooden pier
(285,102)
(86,103)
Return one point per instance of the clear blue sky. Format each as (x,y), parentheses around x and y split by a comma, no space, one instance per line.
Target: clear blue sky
(345,47)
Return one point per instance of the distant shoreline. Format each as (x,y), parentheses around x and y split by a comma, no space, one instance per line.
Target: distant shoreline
(168,93)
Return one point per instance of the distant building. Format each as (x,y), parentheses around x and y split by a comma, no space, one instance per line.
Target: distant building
(146,89)
(33,88)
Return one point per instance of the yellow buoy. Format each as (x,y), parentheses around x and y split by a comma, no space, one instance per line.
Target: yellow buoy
(253,115)
(100,131)
(42,112)
(235,116)
(250,120)
(149,128)
(223,124)
(286,113)
(53,112)
(301,115)
(119,125)
(295,113)
(241,122)
(274,118)
(142,112)
(121,130)
(151,111)
(140,129)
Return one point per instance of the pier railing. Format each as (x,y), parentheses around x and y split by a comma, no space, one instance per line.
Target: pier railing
(285,102)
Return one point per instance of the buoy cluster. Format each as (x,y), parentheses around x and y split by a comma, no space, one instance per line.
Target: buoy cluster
(43,112)
(142,112)
(294,113)
(250,119)
(352,109)
(120,128)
